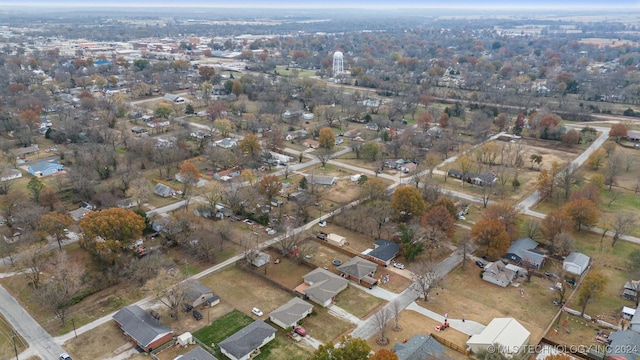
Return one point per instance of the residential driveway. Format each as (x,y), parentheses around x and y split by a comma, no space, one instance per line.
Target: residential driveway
(340,313)
(40,342)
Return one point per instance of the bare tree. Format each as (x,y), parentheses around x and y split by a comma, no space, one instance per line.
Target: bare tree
(622,222)
(532,228)
(34,262)
(396,309)
(465,244)
(169,288)
(57,291)
(612,169)
(381,320)
(290,242)
(568,177)
(426,277)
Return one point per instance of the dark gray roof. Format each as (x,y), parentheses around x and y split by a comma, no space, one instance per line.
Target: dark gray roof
(419,347)
(358,267)
(321,179)
(198,354)
(325,284)
(292,311)
(163,190)
(385,250)
(624,344)
(140,325)
(247,339)
(195,290)
(525,249)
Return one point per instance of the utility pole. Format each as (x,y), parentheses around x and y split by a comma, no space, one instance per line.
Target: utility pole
(13,338)
(73,322)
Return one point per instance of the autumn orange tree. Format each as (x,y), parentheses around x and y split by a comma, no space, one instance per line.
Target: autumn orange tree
(109,232)
(250,144)
(408,202)
(189,177)
(592,286)
(326,138)
(618,131)
(384,354)
(54,224)
(596,159)
(269,186)
(374,189)
(491,237)
(439,218)
(507,214)
(555,223)
(582,212)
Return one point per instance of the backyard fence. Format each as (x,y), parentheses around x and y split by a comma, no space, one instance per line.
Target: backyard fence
(461,349)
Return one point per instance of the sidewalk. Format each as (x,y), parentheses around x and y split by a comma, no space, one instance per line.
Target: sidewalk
(339,312)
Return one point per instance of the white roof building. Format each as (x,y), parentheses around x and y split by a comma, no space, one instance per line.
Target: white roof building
(504,331)
(576,263)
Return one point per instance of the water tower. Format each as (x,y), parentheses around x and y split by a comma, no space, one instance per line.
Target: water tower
(337,63)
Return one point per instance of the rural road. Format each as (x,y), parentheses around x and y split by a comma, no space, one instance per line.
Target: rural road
(40,342)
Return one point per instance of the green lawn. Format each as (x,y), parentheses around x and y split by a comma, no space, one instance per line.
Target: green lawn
(224,327)
(282,348)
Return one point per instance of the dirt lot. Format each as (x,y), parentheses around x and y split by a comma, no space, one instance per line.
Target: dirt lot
(463,292)
(413,323)
(100,343)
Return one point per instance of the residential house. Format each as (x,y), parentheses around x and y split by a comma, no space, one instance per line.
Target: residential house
(419,347)
(246,343)
(321,180)
(372,126)
(226,143)
(291,136)
(45,168)
(352,133)
(163,190)
(497,273)
(339,140)
(298,196)
(359,270)
(633,135)
(322,286)
(196,294)
(174,98)
(204,211)
(138,130)
(128,203)
(311,144)
(288,315)
(10,174)
(79,213)
(408,167)
(455,173)
(141,328)
(507,332)
(383,253)
(23,152)
(576,263)
(164,224)
(198,353)
(634,324)
(226,175)
(631,289)
(623,345)
(484,179)
(435,131)
(523,251)
(200,183)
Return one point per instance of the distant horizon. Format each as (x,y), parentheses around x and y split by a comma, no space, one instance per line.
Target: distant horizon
(332,4)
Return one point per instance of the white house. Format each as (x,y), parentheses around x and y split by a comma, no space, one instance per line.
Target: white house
(10,174)
(289,314)
(576,263)
(504,331)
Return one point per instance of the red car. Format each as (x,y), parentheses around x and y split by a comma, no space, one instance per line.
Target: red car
(300,331)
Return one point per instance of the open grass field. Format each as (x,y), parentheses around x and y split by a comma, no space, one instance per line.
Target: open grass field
(223,327)
(358,302)
(103,342)
(463,292)
(413,323)
(325,327)
(287,273)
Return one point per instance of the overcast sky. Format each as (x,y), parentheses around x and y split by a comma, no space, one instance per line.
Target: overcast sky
(372,4)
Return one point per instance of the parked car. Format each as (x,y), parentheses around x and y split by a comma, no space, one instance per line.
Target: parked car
(480,264)
(550,274)
(270,231)
(65,356)
(248,222)
(300,331)
(187,307)
(322,223)
(257,311)
(322,236)
(197,315)
(398,265)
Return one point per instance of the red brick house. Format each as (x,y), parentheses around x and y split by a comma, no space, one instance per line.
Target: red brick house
(141,328)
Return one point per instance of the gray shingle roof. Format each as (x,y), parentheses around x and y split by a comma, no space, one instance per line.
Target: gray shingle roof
(140,325)
(198,354)
(194,290)
(247,339)
(325,284)
(163,190)
(624,344)
(385,250)
(419,347)
(292,311)
(525,249)
(358,267)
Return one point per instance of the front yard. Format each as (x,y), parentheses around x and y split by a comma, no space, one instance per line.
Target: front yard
(358,302)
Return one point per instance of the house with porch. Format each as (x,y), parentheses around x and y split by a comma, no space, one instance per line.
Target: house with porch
(359,270)
(322,286)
